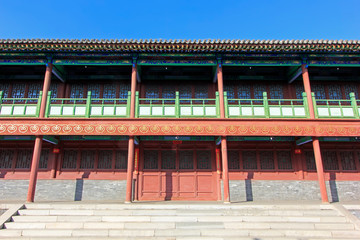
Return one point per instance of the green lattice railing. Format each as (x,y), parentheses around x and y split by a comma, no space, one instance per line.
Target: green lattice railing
(87,107)
(342,108)
(177,107)
(266,108)
(20,107)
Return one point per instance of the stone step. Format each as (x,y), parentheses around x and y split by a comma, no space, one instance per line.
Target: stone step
(139,206)
(183,212)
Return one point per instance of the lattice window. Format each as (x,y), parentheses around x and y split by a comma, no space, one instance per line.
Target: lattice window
(77,91)
(330,160)
(244,91)
(168,159)
(95,90)
(54,90)
(6,158)
(259,90)
(110,91)
(233,157)
(121,159)
(186,159)
(201,91)
(5,89)
(319,91)
(347,160)
(203,158)
(185,91)
(152,91)
(310,160)
(168,92)
(249,160)
(349,88)
(34,90)
(124,90)
(69,159)
(151,159)
(276,91)
(87,159)
(267,160)
(335,91)
(44,157)
(105,159)
(284,160)
(24,159)
(299,89)
(18,90)
(230,90)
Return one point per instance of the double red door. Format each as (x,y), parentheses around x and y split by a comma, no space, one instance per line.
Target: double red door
(177,174)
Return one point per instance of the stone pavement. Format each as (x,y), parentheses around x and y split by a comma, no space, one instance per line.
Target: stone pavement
(181,220)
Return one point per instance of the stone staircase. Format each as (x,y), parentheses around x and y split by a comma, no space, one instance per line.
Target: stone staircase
(179,221)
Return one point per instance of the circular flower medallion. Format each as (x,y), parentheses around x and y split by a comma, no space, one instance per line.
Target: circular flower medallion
(133,129)
(45,128)
(12,128)
(78,129)
(144,129)
(155,129)
(122,129)
(166,129)
(67,128)
(2,128)
(89,129)
(34,128)
(111,129)
(100,129)
(23,129)
(56,129)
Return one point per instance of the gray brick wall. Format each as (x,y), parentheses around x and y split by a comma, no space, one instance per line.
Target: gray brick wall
(65,190)
(262,190)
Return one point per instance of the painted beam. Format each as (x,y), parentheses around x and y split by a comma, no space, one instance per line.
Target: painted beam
(350,63)
(51,139)
(92,62)
(294,75)
(280,63)
(59,72)
(181,127)
(176,62)
(23,61)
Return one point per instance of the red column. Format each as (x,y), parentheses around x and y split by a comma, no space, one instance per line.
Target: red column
(136,172)
(34,168)
(225,170)
(221,90)
(130,167)
(133,91)
(218,173)
(306,81)
(47,81)
(320,170)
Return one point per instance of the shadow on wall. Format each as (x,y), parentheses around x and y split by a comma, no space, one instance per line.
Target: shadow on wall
(79,187)
(333,188)
(248,187)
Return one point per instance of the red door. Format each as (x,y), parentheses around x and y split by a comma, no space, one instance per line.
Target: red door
(177,174)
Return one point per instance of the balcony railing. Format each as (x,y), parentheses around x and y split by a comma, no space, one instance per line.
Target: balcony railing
(336,108)
(266,108)
(177,107)
(20,107)
(87,107)
(180,107)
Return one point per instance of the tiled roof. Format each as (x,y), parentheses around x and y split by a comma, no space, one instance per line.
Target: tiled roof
(124,45)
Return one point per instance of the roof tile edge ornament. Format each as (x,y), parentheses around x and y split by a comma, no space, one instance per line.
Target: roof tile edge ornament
(182,45)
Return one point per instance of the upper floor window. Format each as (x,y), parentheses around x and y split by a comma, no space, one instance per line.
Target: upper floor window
(77,91)
(18,90)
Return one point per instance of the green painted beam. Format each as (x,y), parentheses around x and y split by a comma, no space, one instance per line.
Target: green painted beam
(303,140)
(294,74)
(166,62)
(23,61)
(51,139)
(92,62)
(264,63)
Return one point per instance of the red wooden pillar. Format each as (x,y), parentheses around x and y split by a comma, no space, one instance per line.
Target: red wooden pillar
(136,172)
(225,168)
(306,81)
(38,139)
(221,90)
(218,173)
(320,170)
(34,168)
(133,91)
(130,167)
(47,81)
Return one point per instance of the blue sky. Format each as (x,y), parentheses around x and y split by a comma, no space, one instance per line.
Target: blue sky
(154,19)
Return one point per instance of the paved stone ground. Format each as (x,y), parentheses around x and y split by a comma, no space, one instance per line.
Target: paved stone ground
(2,211)
(355,212)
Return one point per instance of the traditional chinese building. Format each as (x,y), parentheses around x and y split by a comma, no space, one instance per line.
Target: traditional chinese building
(179,120)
